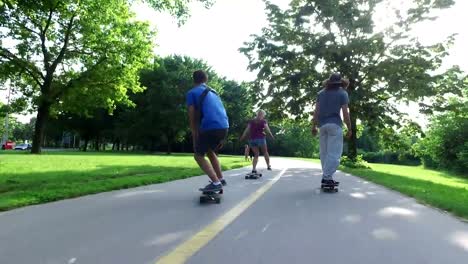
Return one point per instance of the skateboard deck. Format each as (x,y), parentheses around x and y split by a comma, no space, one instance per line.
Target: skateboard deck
(329,187)
(210,196)
(251,175)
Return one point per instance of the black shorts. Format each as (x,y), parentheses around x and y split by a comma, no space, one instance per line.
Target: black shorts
(210,140)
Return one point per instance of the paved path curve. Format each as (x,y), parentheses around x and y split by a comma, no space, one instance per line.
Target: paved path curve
(281,218)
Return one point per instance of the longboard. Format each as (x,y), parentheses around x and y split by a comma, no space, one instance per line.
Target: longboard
(210,196)
(252,175)
(329,187)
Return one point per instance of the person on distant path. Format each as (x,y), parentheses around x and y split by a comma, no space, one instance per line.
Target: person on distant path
(209,125)
(330,101)
(257,138)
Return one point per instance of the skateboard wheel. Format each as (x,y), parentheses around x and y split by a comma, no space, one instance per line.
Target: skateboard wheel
(260,175)
(218,200)
(202,200)
(246,177)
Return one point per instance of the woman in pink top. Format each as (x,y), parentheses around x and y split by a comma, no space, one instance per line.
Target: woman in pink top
(257,138)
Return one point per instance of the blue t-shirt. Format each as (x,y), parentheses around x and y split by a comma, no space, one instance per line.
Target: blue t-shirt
(214,114)
(330,103)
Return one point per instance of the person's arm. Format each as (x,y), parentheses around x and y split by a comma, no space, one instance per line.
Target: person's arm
(246,131)
(347,120)
(267,129)
(345,111)
(193,123)
(315,119)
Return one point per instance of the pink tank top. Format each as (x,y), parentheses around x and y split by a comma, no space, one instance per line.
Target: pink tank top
(257,128)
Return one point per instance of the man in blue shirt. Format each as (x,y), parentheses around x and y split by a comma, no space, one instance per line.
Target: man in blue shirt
(209,125)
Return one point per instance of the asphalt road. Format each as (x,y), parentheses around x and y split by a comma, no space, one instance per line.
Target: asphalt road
(281,218)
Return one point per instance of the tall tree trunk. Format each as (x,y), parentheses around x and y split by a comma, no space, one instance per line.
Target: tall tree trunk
(85,148)
(169,144)
(152,144)
(96,145)
(39,128)
(169,147)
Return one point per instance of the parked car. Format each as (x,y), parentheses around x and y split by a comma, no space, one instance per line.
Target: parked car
(8,145)
(23,147)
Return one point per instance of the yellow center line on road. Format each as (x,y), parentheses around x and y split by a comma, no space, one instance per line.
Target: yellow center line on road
(188,248)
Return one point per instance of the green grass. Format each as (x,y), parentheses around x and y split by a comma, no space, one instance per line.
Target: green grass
(27,179)
(440,189)
(436,188)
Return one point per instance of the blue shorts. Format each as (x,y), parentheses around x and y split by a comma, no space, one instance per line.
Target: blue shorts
(257,142)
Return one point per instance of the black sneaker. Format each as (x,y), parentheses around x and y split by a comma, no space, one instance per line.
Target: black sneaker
(254,171)
(212,188)
(223,182)
(269,168)
(330,182)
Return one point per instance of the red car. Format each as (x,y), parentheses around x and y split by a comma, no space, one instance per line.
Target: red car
(9,145)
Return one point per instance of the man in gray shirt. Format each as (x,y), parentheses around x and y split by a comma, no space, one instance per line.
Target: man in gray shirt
(330,101)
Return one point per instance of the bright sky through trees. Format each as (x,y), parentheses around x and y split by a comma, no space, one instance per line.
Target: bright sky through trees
(216,34)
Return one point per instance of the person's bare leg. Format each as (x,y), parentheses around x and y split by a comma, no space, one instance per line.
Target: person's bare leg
(265,154)
(255,159)
(206,167)
(215,164)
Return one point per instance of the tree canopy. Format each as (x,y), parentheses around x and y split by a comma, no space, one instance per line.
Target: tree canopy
(303,44)
(75,56)
(445,144)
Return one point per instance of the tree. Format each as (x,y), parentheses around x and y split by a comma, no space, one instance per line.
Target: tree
(178,8)
(3,110)
(75,56)
(292,139)
(445,144)
(98,127)
(12,124)
(160,115)
(71,55)
(22,132)
(302,45)
(367,142)
(238,102)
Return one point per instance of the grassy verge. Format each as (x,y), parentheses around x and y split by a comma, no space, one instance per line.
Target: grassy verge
(436,188)
(27,179)
(443,190)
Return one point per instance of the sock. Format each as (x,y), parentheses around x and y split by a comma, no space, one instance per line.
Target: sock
(216,183)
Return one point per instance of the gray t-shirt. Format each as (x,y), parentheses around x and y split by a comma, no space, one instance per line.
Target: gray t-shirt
(330,102)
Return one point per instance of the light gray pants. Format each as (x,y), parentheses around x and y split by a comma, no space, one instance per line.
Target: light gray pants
(331,148)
